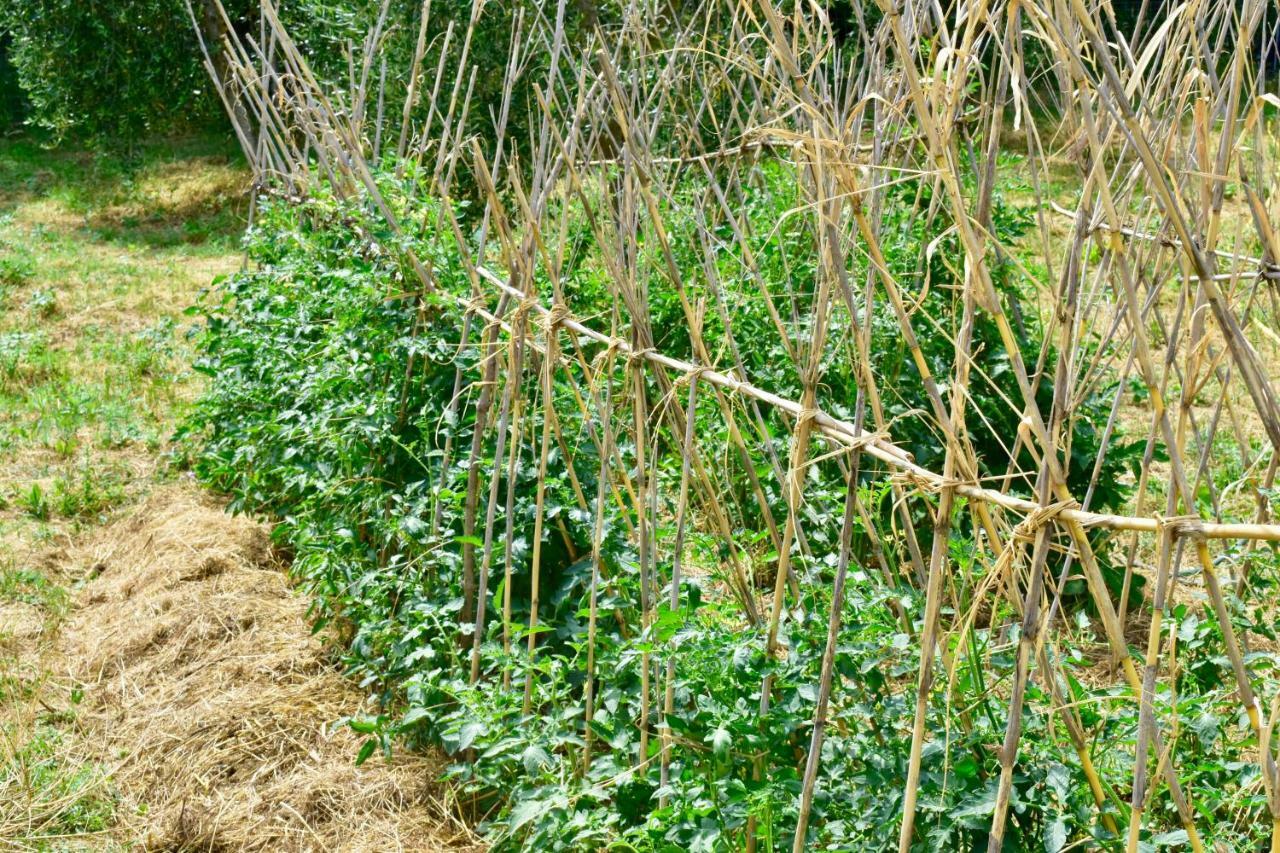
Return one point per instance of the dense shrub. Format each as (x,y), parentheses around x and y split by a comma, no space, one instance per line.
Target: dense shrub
(120,70)
(108,69)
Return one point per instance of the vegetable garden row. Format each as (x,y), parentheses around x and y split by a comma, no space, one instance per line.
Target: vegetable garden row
(780,429)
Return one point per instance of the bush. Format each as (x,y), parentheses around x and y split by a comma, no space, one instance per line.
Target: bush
(108,69)
(124,70)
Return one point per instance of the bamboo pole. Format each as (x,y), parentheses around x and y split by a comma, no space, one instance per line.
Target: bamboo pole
(812,119)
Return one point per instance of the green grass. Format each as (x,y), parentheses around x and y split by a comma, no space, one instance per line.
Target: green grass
(33,587)
(46,800)
(100,254)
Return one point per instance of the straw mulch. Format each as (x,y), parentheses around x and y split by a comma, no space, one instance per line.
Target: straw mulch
(206,691)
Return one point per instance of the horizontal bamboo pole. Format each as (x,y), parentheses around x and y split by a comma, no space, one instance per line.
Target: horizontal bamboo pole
(1265,268)
(874,444)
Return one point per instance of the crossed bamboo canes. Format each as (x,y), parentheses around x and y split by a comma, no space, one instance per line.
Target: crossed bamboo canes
(920,115)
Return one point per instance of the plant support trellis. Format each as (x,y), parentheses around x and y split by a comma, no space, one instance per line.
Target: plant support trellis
(639,169)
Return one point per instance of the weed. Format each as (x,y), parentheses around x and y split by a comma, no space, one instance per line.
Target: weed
(36,502)
(35,588)
(43,303)
(89,492)
(17,265)
(26,359)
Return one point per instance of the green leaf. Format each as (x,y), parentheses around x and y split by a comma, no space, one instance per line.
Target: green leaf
(535,759)
(667,624)
(366,750)
(363,725)
(468,734)
(1058,780)
(525,811)
(979,805)
(721,741)
(1055,836)
(1175,838)
(413,716)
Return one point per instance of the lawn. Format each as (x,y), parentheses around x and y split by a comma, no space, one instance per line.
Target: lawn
(100,254)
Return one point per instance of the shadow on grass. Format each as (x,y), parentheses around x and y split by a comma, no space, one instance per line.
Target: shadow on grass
(159,194)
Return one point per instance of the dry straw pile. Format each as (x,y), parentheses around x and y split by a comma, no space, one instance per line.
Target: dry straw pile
(215,708)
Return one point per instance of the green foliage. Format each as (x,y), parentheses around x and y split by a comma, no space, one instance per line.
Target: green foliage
(35,502)
(34,588)
(13,105)
(126,70)
(924,256)
(325,30)
(43,303)
(88,492)
(107,69)
(328,408)
(16,265)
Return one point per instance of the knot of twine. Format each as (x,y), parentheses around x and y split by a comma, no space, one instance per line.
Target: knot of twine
(807,416)
(732,384)
(522,309)
(804,420)
(556,315)
(1022,533)
(692,374)
(607,354)
(928,485)
(1182,526)
(638,355)
(866,439)
(1040,516)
